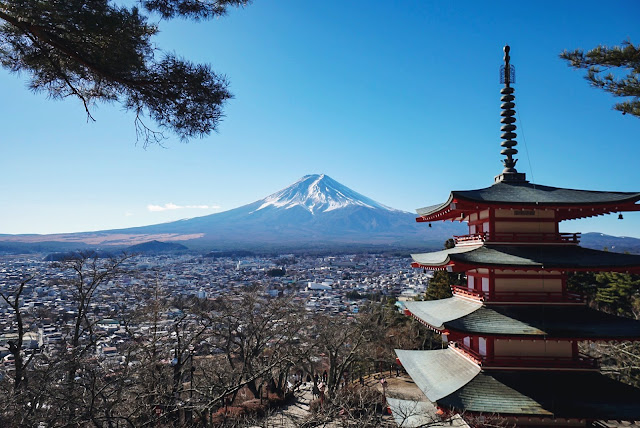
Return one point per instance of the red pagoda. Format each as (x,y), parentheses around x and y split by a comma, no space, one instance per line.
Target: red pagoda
(513,330)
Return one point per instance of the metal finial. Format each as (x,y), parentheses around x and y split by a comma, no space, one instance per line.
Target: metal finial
(507,71)
(507,77)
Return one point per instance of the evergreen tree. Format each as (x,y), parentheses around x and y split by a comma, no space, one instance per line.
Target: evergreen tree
(276,272)
(614,292)
(97,51)
(606,68)
(583,283)
(439,286)
(618,292)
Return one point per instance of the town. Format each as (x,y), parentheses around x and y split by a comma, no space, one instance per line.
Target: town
(82,314)
(322,284)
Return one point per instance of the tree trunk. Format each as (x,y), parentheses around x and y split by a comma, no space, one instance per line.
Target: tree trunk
(254,389)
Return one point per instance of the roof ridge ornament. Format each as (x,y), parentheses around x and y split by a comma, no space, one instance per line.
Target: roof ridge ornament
(507,77)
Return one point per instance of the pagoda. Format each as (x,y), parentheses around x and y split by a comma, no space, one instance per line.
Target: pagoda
(512,332)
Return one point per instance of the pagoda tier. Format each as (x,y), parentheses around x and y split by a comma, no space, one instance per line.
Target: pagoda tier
(527,257)
(499,274)
(521,337)
(526,199)
(455,383)
(462,317)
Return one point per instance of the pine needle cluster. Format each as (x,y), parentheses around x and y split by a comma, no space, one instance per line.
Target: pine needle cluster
(97,51)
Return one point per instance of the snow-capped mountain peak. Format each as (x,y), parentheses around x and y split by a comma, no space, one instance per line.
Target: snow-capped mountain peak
(318,193)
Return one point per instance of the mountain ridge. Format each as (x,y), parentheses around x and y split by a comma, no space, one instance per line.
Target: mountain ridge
(314,212)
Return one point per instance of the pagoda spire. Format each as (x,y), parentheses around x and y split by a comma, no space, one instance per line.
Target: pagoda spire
(507,77)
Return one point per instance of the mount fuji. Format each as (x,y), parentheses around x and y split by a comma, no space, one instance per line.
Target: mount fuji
(314,212)
(318,194)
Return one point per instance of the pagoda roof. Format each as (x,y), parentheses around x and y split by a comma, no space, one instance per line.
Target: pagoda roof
(548,321)
(438,373)
(525,194)
(554,321)
(437,312)
(561,394)
(545,393)
(560,257)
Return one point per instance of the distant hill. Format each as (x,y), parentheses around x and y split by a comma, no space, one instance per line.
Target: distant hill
(618,244)
(18,247)
(76,255)
(156,247)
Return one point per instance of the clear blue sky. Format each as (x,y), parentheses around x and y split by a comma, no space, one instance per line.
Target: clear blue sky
(397,100)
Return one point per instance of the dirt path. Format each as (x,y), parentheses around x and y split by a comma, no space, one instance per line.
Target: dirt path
(397,386)
(291,415)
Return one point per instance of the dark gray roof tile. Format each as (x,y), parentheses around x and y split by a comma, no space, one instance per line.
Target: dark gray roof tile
(536,193)
(437,312)
(534,256)
(550,321)
(437,373)
(564,394)
(533,194)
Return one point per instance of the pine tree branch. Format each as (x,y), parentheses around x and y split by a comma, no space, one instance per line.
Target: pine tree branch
(613,61)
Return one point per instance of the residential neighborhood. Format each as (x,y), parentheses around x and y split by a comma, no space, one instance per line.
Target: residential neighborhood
(321,284)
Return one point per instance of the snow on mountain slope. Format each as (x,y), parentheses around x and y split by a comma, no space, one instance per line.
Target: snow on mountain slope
(319,193)
(314,212)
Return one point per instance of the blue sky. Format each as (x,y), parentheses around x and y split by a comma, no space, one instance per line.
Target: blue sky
(397,100)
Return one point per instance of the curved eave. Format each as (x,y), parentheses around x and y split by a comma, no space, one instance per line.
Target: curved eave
(435,313)
(452,381)
(449,266)
(454,335)
(458,267)
(532,322)
(578,212)
(439,372)
(444,211)
(440,260)
(566,258)
(531,193)
(458,206)
(554,394)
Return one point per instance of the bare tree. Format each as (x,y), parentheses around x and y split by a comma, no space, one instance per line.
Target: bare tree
(255,333)
(13,299)
(619,360)
(342,340)
(86,273)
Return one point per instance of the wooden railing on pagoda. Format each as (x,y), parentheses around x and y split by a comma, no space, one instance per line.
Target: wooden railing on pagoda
(582,361)
(519,237)
(518,296)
